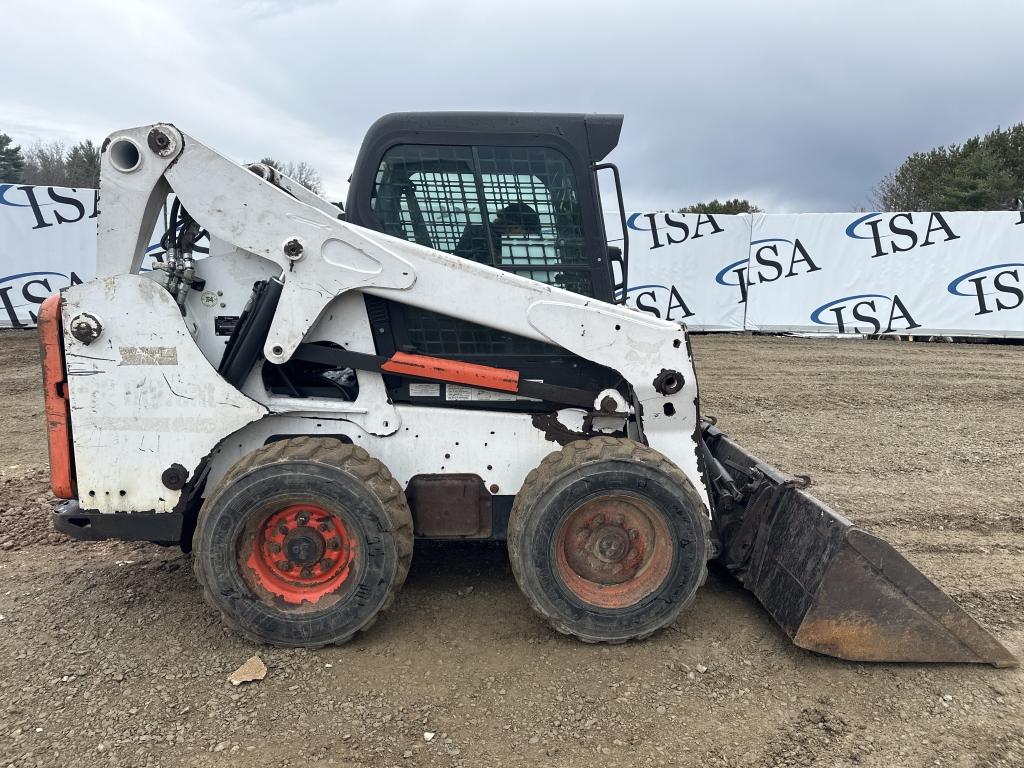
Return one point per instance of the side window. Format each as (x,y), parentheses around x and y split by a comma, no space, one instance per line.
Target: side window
(427,194)
(515,208)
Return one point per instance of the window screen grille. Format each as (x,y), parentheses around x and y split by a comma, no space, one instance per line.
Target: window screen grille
(515,208)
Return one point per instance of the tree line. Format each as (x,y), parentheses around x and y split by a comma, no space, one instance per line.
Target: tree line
(985,173)
(55,164)
(50,165)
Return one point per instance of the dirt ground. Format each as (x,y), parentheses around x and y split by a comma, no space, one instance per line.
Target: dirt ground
(108,656)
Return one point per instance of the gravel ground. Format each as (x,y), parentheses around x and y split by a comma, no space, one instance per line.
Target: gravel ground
(108,656)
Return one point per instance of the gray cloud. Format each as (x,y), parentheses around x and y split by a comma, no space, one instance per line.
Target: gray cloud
(801,106)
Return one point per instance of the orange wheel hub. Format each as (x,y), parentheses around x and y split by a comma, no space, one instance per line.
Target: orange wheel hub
(613,551)
(300,554)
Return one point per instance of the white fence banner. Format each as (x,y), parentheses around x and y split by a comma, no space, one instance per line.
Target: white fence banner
(907,273)
(904,273)
(47,242)
(688,267)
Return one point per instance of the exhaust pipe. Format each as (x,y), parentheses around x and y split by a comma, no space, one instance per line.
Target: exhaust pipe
(833,588)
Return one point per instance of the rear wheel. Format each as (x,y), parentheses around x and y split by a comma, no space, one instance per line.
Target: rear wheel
(303,542)
(608,540)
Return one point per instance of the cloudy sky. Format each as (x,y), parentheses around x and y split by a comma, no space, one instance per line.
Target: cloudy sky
(797,105)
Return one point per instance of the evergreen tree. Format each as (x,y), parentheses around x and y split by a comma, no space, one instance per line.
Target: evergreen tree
(83,165)
(722,207)
(12,164)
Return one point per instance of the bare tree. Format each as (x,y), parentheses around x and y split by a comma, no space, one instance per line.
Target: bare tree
(302,172)
(45,165)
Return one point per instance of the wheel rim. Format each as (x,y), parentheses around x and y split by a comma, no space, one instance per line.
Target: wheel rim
(613,551)
(302,553)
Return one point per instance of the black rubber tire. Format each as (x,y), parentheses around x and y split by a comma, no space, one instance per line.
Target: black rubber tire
(309,470)
(584,470)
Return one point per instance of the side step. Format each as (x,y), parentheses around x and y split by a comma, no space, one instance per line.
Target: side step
(163,528)
(832,587)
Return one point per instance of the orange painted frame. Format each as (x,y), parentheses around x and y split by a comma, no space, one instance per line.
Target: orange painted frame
(455,371)
(55,399)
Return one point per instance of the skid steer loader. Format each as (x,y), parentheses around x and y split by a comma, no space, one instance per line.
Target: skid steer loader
(443,360)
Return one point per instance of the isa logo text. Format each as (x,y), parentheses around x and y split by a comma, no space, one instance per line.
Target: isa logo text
(662,301)
(673,228)
(48,205)
(870,313)
(901,232)
(995,288)
(771,259)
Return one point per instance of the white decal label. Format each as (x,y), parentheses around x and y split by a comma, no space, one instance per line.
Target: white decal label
(148,355)
(461,392)
(423,389)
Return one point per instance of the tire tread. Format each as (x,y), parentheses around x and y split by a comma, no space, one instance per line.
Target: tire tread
(346,457)
(575,456)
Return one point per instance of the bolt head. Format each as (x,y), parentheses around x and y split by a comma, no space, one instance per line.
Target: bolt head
(326,564)
(160,142)
(334,543)
(86,328)
(293,249)
(307,573)
(284,565)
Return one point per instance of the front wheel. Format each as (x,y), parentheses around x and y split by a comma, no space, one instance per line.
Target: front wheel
(303,543)
(608,540)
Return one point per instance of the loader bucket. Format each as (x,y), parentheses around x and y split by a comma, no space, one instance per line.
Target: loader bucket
(832,587)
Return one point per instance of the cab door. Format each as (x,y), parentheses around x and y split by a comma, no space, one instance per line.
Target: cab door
(523,203)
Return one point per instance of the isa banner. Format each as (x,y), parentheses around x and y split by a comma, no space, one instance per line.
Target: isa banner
(920,273)
(688,267)
(47,242)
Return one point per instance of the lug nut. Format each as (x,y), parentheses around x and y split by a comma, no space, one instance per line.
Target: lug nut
(284,565)
(275,547)
(307,573)
(282,529)
(325,564)
(634,534)
(334,544)
(303,518)
(324,527)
